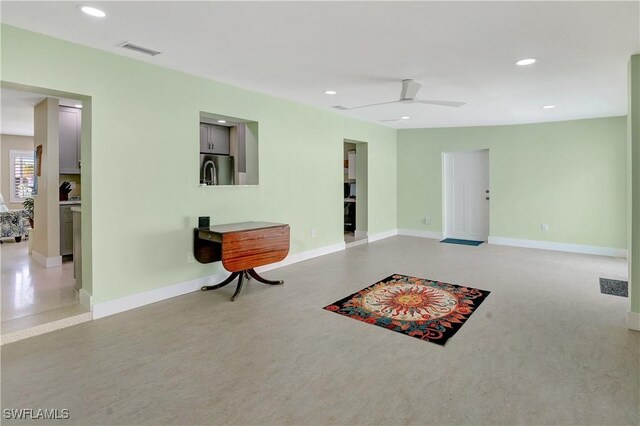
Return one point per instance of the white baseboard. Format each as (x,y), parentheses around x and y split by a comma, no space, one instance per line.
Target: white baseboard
(360,234)
(633,320)
(85,299)
(382,235)
(111,307)
(47,262)
(549,245)
(133,301)
(421,234)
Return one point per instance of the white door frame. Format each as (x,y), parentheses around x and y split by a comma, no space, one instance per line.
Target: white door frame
(444,186)
(362,188)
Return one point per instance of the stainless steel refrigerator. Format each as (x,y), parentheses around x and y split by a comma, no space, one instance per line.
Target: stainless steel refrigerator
(216,169)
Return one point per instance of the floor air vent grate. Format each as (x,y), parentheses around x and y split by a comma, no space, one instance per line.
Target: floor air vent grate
(614,287)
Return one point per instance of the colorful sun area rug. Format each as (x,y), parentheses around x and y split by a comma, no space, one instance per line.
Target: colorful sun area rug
(428,310)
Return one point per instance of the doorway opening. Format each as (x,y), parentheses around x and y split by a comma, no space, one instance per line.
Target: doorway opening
(466,195)
(46,184)
(355,187)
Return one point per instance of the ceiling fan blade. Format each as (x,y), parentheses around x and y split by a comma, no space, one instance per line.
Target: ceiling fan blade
(441,103)
(364,106)
(409,89)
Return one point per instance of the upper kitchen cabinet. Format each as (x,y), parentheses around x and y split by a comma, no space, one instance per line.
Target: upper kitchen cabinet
(214,139)
(70,121)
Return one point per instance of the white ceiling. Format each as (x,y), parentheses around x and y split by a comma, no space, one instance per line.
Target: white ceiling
(16,110)
(461,51)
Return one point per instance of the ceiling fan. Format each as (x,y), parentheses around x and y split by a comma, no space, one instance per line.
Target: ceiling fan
(408,96)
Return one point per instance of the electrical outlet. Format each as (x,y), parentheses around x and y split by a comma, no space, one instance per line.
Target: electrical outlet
(544,227)
(313,233)
(427,219)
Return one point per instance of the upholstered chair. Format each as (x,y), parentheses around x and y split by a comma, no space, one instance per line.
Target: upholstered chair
(11,222)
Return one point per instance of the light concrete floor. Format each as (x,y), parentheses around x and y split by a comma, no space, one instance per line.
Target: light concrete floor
(544,348)
(28,288)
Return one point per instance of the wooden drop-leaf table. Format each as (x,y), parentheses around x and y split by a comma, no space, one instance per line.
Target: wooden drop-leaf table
(241,247)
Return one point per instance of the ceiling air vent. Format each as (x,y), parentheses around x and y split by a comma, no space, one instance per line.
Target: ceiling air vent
(139,49)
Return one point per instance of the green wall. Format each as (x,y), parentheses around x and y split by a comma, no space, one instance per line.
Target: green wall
(145,197)
(634,183)
(570,175)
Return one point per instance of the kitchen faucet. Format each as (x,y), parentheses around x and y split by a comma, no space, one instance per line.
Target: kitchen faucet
(214,173)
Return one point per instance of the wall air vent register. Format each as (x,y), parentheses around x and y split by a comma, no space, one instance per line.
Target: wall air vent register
(139,49)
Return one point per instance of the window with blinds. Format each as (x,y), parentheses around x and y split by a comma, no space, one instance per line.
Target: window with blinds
(21,175)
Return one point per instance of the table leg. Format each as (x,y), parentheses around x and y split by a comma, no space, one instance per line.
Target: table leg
(238,288)
(248,274)
(223,283)
(257,277)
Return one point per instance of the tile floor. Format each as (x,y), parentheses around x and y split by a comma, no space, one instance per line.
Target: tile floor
(546,347)
(28,288)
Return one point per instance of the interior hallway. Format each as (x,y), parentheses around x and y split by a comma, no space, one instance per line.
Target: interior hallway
(544,348)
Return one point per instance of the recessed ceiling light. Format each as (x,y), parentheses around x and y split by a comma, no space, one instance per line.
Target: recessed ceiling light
(330,92)
(526,61)
(78,106)
(406,117)
(222,121)
(93,11)
(548,107)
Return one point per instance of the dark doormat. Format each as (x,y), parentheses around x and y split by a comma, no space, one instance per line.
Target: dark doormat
(614,287)
(462,242)
(428,310)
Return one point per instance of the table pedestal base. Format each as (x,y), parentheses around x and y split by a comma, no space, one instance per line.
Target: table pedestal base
(241,275)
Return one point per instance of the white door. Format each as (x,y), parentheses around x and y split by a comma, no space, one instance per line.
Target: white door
(466,195)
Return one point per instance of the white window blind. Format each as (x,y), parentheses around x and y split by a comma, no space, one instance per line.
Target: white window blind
(21,175)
